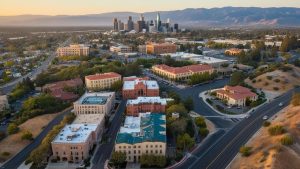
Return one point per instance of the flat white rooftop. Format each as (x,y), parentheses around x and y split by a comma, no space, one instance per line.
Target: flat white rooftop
(131,124)
(89,119)
(75,133)
(196,57)
(151,84)
(140,100)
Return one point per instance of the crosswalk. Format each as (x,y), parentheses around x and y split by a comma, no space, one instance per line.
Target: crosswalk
(236,120)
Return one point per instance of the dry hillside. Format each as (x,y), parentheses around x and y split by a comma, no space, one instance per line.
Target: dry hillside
(267,151)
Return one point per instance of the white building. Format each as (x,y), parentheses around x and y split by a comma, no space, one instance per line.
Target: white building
(121,49)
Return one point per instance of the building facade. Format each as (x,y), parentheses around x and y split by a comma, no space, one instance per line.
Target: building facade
(74,50)
(145,104)
(181,73)
(157,49)
(142,135)
(136,87)
(233,51)
(121,49)
(95,103)
(236,95)
(101,81)
(3,102)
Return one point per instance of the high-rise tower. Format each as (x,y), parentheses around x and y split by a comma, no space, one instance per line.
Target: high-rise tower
(158,22)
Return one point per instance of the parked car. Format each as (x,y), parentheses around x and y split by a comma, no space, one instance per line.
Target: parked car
(265,118)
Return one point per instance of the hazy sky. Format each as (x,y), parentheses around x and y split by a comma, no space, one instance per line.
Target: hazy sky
(72,7)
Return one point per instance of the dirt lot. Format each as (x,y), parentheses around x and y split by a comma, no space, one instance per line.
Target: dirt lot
(14,143)
(276,82)
(267,152)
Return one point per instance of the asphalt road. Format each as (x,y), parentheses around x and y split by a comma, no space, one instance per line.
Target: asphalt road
(104,151)
(19,158)
(7,88)
(224,146)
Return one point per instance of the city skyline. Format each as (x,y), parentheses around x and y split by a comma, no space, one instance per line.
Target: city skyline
(76,7)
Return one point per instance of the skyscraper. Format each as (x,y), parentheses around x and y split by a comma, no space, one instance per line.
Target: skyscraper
(176,27)
(141,24)
(116,27)
(158,22)
(130,24)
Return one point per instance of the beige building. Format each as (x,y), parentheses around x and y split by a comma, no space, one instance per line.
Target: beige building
(3,102)
(142,135)
(101,81)
(236,95)
(233,51)
(95,103)
(181,73)
(74,50)
(121,49)
(75,141)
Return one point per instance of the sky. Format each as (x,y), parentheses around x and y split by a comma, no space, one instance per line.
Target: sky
(81,7)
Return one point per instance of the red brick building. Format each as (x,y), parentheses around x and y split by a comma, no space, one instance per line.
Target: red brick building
(58,89)
(135,87)
(145,104)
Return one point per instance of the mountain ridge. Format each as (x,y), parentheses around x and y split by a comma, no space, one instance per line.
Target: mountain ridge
(190,17)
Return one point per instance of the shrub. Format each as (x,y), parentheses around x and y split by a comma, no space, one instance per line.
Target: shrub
(259,80)
(277,80)
(266,123)
(245,151)
(286,140)
(276,130)
(27,136)
(200,122)
(253,81)
(5,153)
(266,83)
(275,88)
(269,77)
(203,132)
(12,128)
(208,101)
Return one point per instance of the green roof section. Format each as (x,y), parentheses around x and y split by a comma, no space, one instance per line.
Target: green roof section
(147,127)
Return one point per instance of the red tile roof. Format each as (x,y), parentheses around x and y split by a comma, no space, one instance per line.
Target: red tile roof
(185,69)
(103,76)
(236,92)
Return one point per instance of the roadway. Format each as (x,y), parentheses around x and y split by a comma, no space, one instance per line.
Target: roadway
(224,144)
(103,152)
(19,158)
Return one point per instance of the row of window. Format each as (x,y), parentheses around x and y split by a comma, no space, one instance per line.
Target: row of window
(147,146)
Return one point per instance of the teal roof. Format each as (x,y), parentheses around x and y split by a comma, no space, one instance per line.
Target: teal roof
(151,128)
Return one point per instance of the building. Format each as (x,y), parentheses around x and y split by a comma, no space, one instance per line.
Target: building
(233,51)
(236,95)
(157,49)
(142,135)
(116,24)
(74,142)
(95,103)
(101,81)
(3,102)
(134,87)
(181,73)
(146,104)
(59,89)
(74,50)
(142,48)
(121,49)
(130,24)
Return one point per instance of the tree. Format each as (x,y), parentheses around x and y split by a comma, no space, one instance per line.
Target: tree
(203,132)
(118,158)
(189,103)
(152,161)
(117,86)
(27,135)
(296,99)
(185,142)
(179,108)
(200,122)
(237,78)
(12,128)
(175,97)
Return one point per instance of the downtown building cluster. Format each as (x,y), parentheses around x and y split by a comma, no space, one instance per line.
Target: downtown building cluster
(151,26)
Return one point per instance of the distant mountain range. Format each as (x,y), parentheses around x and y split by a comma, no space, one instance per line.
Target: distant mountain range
(200,17)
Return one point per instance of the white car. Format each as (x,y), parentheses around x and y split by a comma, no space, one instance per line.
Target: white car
(280,104)
(265,118)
